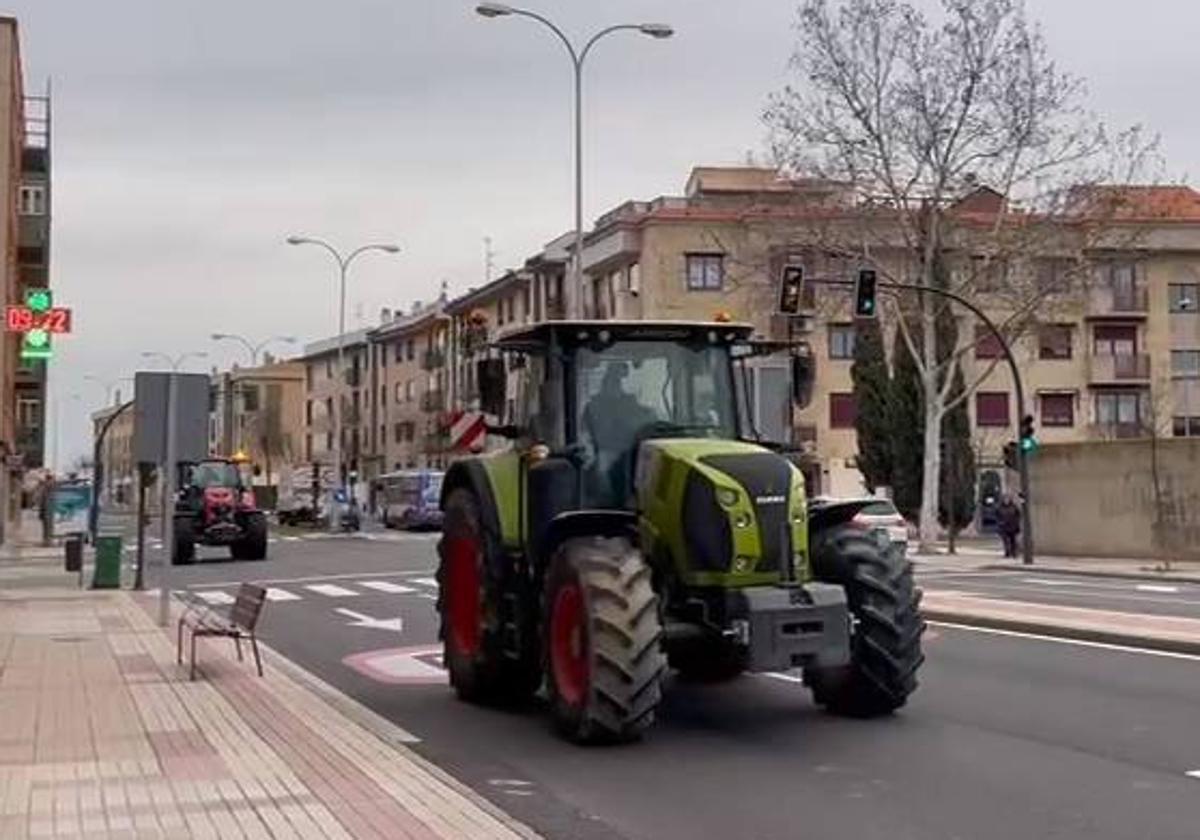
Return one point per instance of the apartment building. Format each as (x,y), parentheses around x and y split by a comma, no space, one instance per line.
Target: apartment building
(356,387)
(410,353)
(33,266)
(118,487)
(1119,358)
(258,413)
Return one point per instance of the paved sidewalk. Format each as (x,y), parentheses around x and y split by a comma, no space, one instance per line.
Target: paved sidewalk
(102,735)
(1157,632)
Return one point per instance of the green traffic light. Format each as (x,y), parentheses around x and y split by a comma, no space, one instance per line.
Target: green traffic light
(1028,444)
(37,338)
(39,300)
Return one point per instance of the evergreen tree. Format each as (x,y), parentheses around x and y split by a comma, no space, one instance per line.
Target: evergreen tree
(906,421)
(956,505)
(872,385)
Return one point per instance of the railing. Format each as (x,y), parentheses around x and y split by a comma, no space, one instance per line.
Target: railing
(1105,300)
(1118,431)
(1128,367)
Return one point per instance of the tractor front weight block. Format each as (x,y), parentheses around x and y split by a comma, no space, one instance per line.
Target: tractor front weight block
(792,626)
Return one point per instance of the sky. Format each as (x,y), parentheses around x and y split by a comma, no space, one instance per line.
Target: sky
(191,138)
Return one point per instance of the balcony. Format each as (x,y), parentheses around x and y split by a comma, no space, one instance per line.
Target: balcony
(1107,302)
(434,400)
(1127,369)
(433,359)
(1117,431)
(354,377)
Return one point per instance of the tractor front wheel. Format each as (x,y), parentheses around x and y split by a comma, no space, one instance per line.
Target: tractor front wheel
(471,606)
(603,637)
(253,544)
(885,644)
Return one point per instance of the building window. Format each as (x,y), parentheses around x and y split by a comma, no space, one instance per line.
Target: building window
(841,341)
(705,272)
(843,411)
(31,200)
(987,343)
(398,433)
(989,275)
(991,408)
(1058,409)
(249,398)
(1054,341)
(410,350)
(1053,274)
(329,368)
(1184,297)
(633,279)
(1120,408)
(308,406)
(329,407)
(1114,340)
(329,441)
(1187,426)
(29,412)
(408,391)
(1185,363)
(382,396)
(399,392)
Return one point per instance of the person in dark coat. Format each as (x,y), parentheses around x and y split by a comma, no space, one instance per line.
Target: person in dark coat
(1008,523)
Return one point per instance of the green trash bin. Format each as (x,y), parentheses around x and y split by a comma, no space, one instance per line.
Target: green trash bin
(107,574)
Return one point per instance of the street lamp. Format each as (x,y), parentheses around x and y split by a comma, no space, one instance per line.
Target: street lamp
(173,362)
(343,264)
(654,30)
(254,349)
(109,385)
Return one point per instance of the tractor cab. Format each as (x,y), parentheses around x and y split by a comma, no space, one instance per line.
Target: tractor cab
(593,392)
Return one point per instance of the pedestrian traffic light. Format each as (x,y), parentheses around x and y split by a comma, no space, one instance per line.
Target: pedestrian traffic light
(791,289)
(1028,442)
(1010,455)
(864,294)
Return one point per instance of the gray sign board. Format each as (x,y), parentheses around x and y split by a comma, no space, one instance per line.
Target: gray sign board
(150,416)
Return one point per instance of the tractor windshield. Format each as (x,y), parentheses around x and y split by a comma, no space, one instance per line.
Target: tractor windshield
(635,389)
(215,474)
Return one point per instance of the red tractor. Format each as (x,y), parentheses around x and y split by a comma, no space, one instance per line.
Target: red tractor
(216,506)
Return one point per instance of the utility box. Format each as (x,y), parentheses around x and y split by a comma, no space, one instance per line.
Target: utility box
(73,553)
(107,574)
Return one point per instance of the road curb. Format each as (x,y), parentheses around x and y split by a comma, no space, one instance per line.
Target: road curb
(1059,631)
(1164,577)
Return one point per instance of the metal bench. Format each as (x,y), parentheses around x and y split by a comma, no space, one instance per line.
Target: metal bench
(203,620)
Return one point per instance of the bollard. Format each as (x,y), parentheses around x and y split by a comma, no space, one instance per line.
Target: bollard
(73,551)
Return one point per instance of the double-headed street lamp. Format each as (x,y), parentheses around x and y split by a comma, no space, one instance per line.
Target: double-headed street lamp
(654,30)
(343,264)
(254,349)
(173,362)
(109,386)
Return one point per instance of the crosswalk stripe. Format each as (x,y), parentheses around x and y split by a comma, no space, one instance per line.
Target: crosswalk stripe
(274,594)
(425,581)
(215,597)
(385,586)
(331,589)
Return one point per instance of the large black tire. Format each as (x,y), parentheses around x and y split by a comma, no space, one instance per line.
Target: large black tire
(471,607)
(885,641)
(183,552)
(603,641)
(253,545)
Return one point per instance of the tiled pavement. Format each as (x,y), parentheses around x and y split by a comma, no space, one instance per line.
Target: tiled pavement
(102,735)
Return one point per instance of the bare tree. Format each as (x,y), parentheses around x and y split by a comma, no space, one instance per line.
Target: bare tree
(964,148)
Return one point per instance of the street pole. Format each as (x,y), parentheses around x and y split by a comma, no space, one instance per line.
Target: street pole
(139,579)
(575,291)
(168,513)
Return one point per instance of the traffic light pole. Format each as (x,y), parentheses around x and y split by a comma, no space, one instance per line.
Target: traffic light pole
(1018,384)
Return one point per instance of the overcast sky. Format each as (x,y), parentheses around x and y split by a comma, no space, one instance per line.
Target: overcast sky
(191,137)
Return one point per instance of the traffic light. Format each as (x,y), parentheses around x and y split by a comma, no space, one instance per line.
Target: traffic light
(791,289)
(1010,455)
(864,294)
(35,344)
(1029,443)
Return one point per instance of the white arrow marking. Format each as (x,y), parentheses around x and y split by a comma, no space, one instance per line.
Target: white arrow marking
(360,620)
(1152,587)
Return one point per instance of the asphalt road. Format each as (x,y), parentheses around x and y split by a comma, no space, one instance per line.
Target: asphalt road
(1008,736)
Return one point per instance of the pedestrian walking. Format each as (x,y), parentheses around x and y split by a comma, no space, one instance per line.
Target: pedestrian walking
(1008,522)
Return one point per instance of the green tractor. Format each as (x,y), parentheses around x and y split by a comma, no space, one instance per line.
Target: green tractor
(637,524)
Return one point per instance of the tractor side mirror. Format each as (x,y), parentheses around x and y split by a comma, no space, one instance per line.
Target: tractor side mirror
(492,379)
(804,374)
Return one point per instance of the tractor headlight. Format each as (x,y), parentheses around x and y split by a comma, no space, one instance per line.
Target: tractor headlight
(742,563)
(727,496)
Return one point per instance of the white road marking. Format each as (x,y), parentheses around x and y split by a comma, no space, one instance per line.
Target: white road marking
(290,539)
(314,578)
(1195,774)
(777,675)
(1047,582)
(425,581)
(1155,587)
(428,596)
(386,586)
(360,620)
(274,594)
(332,590)
(1038,637)
(509,783)
(217,597)
(272,540)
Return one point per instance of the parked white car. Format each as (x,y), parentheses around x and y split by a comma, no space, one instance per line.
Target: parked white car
(879,514)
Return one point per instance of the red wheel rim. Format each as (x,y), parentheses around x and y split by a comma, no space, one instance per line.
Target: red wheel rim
(462,595)
(568,644)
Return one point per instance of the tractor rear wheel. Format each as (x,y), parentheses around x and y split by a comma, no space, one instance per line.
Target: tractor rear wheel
(253,544)
(183,552)
(471,606)
(885,643)
(603,640)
